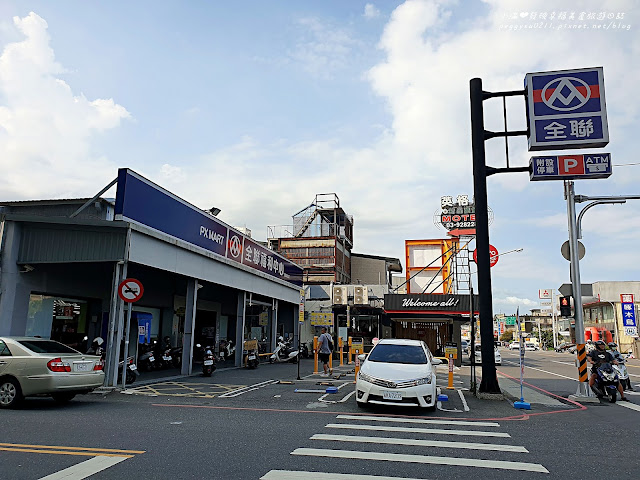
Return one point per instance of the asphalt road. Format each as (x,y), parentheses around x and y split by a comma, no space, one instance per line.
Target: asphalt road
(241,424)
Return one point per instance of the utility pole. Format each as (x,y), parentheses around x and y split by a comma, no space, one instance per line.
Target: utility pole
(569,194)
(489,382)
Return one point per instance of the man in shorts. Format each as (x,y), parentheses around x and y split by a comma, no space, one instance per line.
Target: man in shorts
(324,351)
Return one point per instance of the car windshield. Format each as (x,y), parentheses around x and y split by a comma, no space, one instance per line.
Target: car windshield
(389,353)
(46,346)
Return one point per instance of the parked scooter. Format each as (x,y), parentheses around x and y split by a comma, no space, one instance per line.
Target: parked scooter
(606,384)
(176,355)
(162,354)
(304,350)
(208,360)
(97,348)
(227,350)
(146,359)
(250,353)
(284,352)
(620,368)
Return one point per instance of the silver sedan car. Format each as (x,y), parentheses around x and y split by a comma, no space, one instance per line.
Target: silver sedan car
(38,366)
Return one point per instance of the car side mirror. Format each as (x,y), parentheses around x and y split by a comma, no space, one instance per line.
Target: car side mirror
(362,357)
(436,361)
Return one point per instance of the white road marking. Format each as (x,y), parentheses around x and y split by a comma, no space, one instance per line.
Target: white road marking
(630,405)
(464,401)
(545,371)
(564,363)
(439,431)
(417,420)
(424,459)
(420,443)
(85,469)
(247,389)
(292,475)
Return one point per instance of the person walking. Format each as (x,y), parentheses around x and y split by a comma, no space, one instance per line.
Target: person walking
(325,348)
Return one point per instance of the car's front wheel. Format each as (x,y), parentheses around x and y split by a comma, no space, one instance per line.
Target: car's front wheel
(10,393)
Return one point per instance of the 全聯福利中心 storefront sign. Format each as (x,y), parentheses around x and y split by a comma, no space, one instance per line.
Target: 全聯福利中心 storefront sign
(141,201)
(566,109)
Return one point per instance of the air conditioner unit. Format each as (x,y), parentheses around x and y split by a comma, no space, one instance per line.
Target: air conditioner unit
(360,296)
(340,295)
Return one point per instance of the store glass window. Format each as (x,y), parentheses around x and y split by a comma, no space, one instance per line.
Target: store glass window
(258,326)
(57,318)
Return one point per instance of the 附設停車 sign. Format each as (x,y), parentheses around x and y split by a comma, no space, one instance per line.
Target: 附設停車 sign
(570,167)
(566,109)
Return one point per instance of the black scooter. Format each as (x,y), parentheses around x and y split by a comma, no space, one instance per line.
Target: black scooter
(606,384)
(208,360)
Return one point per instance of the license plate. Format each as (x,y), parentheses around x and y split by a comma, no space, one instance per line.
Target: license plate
(252,357)
(392,395)
(82,367)
(208,362)
(133,366)
(166,359)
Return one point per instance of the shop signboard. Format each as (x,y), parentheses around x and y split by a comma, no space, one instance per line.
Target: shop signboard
(459,213)
(429,303)
(141,201)
(566,109)
(321,319)
(301,306)
(628,312)
(570,167)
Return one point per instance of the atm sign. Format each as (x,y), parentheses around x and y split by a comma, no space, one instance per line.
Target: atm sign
(570,167)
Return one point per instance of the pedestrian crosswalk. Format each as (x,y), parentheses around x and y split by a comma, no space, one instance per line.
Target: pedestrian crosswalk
(367,440)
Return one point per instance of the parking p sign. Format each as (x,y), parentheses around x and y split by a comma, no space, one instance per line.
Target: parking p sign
(566,109)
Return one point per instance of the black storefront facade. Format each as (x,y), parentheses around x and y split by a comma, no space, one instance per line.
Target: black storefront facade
(432,317)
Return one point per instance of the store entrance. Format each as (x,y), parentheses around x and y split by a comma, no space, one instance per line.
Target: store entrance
(434,334)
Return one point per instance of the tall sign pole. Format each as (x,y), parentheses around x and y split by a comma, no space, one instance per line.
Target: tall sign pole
(569,194)
(489,383)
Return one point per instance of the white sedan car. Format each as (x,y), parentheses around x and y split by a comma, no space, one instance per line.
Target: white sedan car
(496,355)
(398,372)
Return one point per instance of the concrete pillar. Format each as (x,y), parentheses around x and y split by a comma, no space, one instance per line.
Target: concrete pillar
(240,317)
(14,286)
(457,337)
(274,326)
(189,325)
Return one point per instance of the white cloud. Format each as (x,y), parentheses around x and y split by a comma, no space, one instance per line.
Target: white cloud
(517,301)
(46,129)
(321,49)
(370,11)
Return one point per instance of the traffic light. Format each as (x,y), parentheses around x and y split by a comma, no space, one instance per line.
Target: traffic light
(565,306)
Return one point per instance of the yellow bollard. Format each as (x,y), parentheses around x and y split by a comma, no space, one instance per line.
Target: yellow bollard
(315,354)
(349,359)
(450,385)
(341,345)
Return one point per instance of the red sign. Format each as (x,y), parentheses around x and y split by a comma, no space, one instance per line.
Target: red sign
(571,164)
(493,255)
(130,290)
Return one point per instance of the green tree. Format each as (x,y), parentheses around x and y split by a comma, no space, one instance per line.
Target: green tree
(506,337)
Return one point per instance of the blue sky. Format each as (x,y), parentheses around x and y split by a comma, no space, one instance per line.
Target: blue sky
(256,106)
